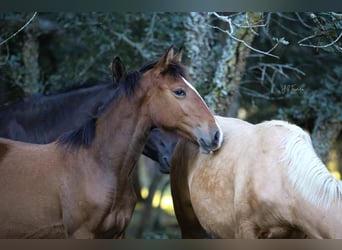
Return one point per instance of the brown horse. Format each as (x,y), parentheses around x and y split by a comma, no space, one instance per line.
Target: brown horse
(80,185)
(42,119)
(266,181)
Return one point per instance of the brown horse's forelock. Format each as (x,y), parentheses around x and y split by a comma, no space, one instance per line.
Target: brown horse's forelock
(175,70)
(84,135)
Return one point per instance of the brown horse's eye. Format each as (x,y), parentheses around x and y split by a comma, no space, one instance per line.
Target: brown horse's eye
(179,92)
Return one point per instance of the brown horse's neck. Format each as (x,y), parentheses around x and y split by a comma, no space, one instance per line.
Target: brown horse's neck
(121,133)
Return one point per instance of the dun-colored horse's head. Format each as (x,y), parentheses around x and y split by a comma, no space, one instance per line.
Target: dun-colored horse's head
(174,104)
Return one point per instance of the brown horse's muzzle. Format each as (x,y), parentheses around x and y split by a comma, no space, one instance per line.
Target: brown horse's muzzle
(211,140)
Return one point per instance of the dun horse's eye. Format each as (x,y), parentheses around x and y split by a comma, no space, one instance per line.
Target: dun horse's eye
(179,92)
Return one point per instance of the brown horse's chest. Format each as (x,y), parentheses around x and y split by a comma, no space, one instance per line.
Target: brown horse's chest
(99,206)
(118,215)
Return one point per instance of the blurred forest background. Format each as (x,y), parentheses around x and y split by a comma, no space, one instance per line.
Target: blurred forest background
(251,65)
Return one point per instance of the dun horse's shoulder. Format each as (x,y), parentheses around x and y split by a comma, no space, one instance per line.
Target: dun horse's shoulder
(290,129)
(282,124)
(228,123)
(233,127)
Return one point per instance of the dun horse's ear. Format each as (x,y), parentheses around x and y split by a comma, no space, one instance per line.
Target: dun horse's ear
(118,70)
(178,55)
(165,60)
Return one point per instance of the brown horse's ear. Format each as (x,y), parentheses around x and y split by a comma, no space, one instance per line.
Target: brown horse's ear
(118,70)
(178,55)
(165,60)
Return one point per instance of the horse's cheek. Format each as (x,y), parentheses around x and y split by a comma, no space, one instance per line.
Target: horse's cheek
(163,119)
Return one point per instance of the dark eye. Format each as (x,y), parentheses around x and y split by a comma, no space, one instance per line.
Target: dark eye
(179,92)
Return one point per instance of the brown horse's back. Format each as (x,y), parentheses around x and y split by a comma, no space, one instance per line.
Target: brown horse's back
(28,190)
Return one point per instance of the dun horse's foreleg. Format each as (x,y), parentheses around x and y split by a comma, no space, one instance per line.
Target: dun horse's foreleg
(245,230)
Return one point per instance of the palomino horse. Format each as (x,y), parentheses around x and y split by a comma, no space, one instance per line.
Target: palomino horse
(42,119)
(266,181)
(80,185)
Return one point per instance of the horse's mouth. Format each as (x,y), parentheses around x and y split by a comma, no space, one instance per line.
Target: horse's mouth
(207,148)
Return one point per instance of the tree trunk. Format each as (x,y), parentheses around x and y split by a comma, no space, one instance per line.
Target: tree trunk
(199,53)
(218,71)
(324,135)
(229,72)
(339,154)
(31,83)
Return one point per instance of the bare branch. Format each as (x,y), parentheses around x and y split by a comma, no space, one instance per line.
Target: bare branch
(19,30)
(307,38)
(266,28)
(303,23)
(257,94)
(149,33)
(323,32)
(270,73)
(231,31)
(321,46)
(285,28)
(137,46)
(249,26)
(338,15)
(286,17)
(6,57)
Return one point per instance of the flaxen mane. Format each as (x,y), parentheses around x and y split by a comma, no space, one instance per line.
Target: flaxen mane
(307,172)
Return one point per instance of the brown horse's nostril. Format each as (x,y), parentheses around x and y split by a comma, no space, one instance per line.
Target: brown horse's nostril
(217,137)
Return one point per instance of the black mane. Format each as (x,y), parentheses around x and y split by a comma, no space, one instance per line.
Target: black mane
(84,135)
(81,136)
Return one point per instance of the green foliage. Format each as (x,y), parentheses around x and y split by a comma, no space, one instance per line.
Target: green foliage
(77,48)
(323,102)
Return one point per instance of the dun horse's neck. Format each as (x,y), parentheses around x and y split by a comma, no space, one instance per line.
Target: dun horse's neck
(319,221)
(121,133)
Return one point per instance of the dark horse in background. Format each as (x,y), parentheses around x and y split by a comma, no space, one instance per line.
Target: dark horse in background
(42,119)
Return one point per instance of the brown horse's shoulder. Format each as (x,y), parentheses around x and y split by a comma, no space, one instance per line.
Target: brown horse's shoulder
(4,148)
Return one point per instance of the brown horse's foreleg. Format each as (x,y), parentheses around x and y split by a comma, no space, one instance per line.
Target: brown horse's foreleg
(82,233)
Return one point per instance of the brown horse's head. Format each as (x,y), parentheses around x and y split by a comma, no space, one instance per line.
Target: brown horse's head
(174,104)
